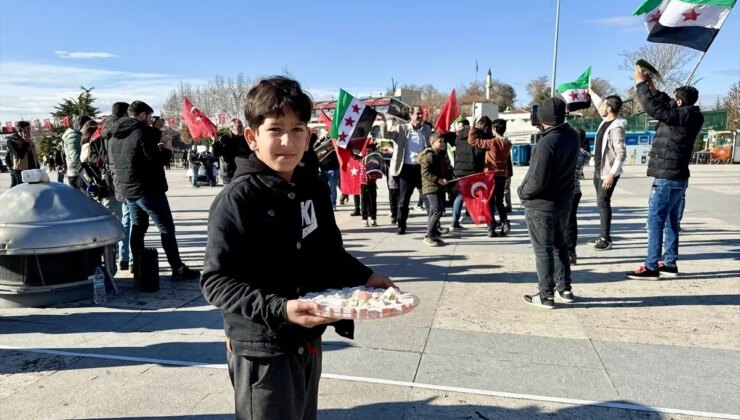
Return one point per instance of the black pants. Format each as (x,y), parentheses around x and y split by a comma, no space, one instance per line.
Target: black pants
(571,231)
(393,202)
(604,202)
(408,180)
(369,201)
(284,386)
(15,178)
(507,193)
(547,234)
(497,201)
(436,208)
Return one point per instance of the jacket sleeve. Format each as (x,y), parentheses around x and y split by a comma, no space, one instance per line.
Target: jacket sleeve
(596,99)
(658,106)
(224,254)
(72,147)
(619,148)
(426,160)
(537,177)
(218,146)
(474,141)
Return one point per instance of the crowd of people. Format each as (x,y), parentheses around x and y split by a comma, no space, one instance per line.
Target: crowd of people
(276,211)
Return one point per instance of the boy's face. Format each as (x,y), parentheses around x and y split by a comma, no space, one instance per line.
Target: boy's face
(438,144)
(280,142)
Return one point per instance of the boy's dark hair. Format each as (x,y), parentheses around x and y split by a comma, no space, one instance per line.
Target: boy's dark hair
(270,97)
(22,124)
(465,122)
(137,107)
(499,125)
(119,109)
(614,102)
(687,94)
(487,123)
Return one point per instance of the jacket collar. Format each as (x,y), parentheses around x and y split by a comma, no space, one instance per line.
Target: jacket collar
(253,166)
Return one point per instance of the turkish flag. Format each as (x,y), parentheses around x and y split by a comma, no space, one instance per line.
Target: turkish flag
(448,114)
(324,119)
(349,168)
(198,123)
(47,124)
(222,118)
(65,121)
(476,190)
(9,126)
(170,122)
(425,113)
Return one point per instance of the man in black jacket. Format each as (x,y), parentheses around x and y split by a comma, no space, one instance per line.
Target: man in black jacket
(468,161)
(546,192)
(137,160)
(229,147)
(679,122)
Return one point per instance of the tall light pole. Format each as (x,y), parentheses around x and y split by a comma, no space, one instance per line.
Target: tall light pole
(555,49)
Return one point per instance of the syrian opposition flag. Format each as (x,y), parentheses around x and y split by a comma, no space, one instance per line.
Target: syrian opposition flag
(476,190)
(575,94)
(198,123)
(449,114)
(689,23)
(352,121)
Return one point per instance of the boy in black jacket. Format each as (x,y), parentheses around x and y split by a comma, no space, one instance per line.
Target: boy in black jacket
(276,215)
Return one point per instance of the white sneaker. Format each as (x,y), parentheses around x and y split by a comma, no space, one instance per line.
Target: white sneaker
(365,223)
(373,223)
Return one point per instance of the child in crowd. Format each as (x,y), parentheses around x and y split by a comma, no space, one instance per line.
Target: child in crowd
(275,217)
(434,176)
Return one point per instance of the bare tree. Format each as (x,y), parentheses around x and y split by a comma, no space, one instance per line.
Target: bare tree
(538,89)
(218,95)
(731,104)
(673,62)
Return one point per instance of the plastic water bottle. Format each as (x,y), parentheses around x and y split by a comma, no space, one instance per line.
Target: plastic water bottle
(98,286)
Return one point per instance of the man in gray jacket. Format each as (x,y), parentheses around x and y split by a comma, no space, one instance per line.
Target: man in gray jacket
(609,155)
(72,139)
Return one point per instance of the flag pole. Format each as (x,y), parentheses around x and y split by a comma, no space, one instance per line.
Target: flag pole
(555,50)
(691,76)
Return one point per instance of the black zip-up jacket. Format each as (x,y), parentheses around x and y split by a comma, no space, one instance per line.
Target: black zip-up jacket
(270,241)
(549,183)
(468,159)
(675,135)
(135,159)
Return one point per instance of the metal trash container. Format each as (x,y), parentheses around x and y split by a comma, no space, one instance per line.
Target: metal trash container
(52,237)
(520,154)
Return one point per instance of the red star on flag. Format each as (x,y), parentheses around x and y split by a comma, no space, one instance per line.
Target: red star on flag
(655,17)
(356,108)
(574,95)
(349,121)
(690,15)
(342,137)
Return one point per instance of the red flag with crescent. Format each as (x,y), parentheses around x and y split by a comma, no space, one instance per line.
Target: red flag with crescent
(47,124)
(198,123)
(476,190)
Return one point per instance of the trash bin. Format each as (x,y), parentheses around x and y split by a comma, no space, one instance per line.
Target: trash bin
(52,237)
(520,154)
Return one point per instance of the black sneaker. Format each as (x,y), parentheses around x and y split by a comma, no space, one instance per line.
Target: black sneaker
(505,228)
(603,245)
(593,241)
(644,273)
(443,231)
(667,270)
(567,296)
(123,265)
(355,213)
(492,233)
(536,300)
(401,231)
(456,227)
(185,273)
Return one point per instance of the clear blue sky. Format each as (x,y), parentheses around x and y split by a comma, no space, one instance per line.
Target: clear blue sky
(147,47)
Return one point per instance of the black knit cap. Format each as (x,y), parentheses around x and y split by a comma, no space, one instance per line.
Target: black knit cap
(551,111)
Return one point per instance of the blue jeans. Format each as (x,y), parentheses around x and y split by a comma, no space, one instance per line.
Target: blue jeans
(194,168)
(158,208)
(332,176)
(457,207)
(123,246)
(550,245)
(663,212)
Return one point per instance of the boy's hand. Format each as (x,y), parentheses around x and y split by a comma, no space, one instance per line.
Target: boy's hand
(442,182)
(638,75)
(298,313)
(380,281)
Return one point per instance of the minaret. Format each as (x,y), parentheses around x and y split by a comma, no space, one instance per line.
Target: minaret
(489,85)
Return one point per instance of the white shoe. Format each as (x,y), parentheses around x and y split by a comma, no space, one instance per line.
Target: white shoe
(365,223)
